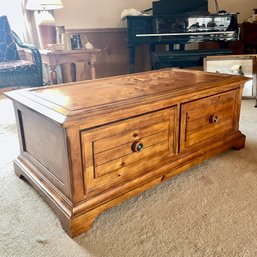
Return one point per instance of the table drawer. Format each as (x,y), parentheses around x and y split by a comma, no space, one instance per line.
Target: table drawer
(124,150)
(206,118)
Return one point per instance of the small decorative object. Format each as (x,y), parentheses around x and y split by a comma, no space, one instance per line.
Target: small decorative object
(129,12)
(86,43)
(60,31)
(253,18)
(89,46)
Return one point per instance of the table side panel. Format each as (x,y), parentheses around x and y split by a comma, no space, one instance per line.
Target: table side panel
(44,145)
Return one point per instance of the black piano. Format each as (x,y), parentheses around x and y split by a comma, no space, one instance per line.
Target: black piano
(176,23)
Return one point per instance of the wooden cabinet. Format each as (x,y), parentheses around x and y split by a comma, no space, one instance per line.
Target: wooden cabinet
(248,37)
(90,145)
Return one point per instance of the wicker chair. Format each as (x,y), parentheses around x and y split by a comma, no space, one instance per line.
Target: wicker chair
(15,72)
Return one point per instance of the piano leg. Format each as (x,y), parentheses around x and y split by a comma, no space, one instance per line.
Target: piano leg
(131,59)
(171,47)
(152,50)
(182,47)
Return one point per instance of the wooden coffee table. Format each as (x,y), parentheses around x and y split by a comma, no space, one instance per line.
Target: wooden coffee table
(87,146)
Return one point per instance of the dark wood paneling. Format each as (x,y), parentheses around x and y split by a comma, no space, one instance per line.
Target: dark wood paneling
(114,57)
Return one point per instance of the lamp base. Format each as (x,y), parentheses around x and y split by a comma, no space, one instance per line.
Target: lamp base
(47,34)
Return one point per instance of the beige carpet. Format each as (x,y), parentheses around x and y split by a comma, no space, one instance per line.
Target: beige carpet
(209,210)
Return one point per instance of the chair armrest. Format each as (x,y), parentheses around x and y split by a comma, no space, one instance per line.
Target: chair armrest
(35,55)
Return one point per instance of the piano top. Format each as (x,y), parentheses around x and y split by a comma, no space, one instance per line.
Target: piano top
(163,7)
(183,28)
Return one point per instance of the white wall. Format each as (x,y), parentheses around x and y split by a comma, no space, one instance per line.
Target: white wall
(80,14)
(244,7)
(12,9)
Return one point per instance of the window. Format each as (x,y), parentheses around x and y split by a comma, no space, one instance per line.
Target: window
(13,10)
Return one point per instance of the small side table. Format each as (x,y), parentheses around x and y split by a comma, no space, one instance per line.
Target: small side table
(54,58)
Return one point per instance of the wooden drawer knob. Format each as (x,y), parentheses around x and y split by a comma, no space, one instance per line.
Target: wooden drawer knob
(213,119)
(137,146)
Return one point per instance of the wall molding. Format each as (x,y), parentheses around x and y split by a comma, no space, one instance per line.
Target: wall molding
(96,30)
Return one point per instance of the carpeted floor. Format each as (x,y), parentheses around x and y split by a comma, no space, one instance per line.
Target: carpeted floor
(209,210)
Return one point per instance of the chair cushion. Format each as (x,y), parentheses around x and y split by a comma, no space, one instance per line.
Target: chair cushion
(8,49)
(17,66)
(18,73)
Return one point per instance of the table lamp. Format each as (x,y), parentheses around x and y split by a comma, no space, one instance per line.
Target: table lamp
(45,20)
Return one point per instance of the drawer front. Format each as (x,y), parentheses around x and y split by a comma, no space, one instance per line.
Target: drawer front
(119,152)
(207,118)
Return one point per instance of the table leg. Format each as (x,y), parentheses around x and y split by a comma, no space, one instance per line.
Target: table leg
(53,74)
(80,71)
(256,95)
(68,72)
(92,69)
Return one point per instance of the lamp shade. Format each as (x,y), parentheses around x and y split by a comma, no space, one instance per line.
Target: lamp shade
(45,20)
(51,4)
(37,5)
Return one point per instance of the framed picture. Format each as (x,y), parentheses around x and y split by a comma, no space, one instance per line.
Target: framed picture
(237,65)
